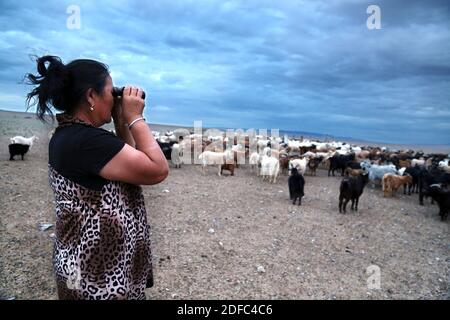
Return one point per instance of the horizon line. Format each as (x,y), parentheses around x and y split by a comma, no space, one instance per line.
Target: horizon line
(313,134)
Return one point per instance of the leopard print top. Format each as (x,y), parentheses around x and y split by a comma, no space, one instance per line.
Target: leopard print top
(102,242)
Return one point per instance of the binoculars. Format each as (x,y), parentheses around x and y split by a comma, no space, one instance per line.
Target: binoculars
(118,92)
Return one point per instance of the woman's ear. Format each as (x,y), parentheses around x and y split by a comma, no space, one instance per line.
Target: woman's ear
(91,96)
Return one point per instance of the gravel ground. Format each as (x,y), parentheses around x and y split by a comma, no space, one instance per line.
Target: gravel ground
(235,237)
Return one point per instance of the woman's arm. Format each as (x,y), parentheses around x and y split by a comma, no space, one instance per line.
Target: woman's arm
(145,164)
(120,125)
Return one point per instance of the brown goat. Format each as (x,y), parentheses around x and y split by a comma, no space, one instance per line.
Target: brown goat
(363,154)
(227,166)
(404,163)
(353,172)
(313,164)
(391,183)
(284,164)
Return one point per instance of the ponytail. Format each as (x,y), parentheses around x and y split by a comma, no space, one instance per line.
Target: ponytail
(50,83)
(63,86)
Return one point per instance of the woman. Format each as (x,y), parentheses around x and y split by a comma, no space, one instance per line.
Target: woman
(102,245)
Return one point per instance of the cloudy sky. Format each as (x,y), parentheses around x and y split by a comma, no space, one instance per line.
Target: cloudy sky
(311,66)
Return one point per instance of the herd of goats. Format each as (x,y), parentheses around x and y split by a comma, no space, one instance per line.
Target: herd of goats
(425,174)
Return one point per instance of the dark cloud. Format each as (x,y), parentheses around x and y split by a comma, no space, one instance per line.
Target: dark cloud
(311,66)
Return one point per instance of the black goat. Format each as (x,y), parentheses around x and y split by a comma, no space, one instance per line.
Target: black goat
(339,162)
(17,149)
(428,178)
(353,165)
(166,148)
(414,172)
(351,189)
(442,197)
(296,186)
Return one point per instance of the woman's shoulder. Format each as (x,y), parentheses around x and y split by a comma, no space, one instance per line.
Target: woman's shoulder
(80,131)
(77,137)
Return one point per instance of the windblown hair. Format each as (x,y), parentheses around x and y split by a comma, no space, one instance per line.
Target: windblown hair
(63,86)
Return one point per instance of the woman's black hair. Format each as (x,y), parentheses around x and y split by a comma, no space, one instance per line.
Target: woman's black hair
(63,86)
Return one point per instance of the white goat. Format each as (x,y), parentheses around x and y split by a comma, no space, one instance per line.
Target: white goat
(417,162)
(270,168)
(443,163)
(299,164)
(255,161)
(262,144)
(22,140)
(376,172)
(176,154)
(266,151)
(215,158)
(401,171)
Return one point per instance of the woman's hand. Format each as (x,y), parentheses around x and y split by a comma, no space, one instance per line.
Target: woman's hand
(116,111)
(132,104)
(120,124)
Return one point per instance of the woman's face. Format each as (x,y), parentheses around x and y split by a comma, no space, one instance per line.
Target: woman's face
(105,102)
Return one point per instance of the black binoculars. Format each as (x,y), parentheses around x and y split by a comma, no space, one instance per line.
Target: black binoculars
(118,92)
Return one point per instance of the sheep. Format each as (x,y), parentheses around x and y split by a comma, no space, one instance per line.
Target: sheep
(270,168)
(391,183)
(22,140)
(351,188)
(296,184)
(176,155)
(215,158)
(299,164)
(17,149)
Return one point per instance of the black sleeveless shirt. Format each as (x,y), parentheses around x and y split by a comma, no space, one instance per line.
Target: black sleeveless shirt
(79,151)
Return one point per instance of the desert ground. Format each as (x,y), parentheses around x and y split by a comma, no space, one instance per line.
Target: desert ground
(235,237)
